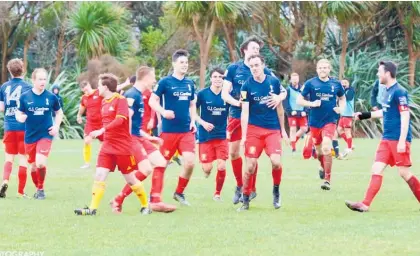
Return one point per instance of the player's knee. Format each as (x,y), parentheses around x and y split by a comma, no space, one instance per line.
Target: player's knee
(221,164)
(9,158)
(326,150)
(40,164)
(251,164)
(189,164)
(275,162)
(405,173)
(304,129)
(207,169)
(234,154)
(102,173)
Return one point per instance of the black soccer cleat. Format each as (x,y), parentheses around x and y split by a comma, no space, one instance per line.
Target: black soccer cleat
(181,199)
(326,186)
(145,211)
(276,197)
(237,196)
(85,211)
(3,190)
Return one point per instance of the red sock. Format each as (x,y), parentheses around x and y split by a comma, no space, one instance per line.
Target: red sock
(140,176)
(344,136)
(157,184)
(126,191)
(276,173)
(294,144)
(41,176)
(327,159)
(297,138)
(182,184)
(254,179)
(248,179)
(220,179)
(22,176)
(7,170)
(414,184)
(237,171)
(373,189)
(321,160)
(349,142)
(34,176)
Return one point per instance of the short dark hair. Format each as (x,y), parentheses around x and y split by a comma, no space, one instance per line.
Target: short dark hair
(218,70)
(345,78)
(179,53)
(109,80)
(254,56)
(390,67)
(132,79)
(250,39)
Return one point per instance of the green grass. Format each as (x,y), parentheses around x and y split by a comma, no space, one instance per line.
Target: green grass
(311,221)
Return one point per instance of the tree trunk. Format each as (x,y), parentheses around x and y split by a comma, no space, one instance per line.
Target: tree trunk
(60,49)
(412,59)
(26,45)
(345,44)
(408,35)
(230,39)
(203,68)
(4,62)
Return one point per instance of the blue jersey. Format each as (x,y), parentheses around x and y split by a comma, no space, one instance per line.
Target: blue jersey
(138,108)
(258,94)
(395,100)
(177,96)
(10,93)
(39,109)
(212,110)
(349,110)
(327,92)
(290,103)
(237,73)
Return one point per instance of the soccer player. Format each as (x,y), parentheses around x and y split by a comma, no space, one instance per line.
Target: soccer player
(35,110)
(260,127)
(212,130)
(236,75)
(116,149)
(14,131)
(178,126)
(146,154)
(296,114)
(394,148)
(344,128)
(377,95)
(56,90)
(323,92)
(91,103)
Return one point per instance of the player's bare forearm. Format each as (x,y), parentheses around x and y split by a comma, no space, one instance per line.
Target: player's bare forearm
(244,119)
(280,114)
(198,119)
(301,101)
(155,104)
(227,87)
(58,117)
(1,106)
(405,123)
(81,110)
(20,116)
(377,114)
(193,110)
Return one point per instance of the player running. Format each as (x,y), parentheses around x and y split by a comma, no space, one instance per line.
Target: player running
(212,130)
(344,128)
(35,110)
(323,92)
(14,131)
(296,114)
(236,75)
(178,126)
(116,149)
(394,148)
(260,127)
(147,155)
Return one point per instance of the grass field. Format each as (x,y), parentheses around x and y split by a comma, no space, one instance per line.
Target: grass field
(311,221)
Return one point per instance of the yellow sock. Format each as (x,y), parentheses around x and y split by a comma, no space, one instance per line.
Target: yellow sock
(138,189)
(87,149)
(98,191)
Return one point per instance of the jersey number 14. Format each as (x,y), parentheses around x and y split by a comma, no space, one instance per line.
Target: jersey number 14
(15,95)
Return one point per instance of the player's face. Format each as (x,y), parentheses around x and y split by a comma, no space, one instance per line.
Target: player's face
(101,88)
(294,80)
(382,75)
(150,80)
(323,69)
(181,65)
(87,89)
(345,83)
(252,49)
(257,67)
(40,80)
(216,79)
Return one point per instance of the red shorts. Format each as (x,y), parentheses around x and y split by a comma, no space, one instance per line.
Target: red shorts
(345,122)
(300,121)
(126,164)
(387,154)
(318,133)
(234,131)
(142,148)
(14,142)
(258,138)
(183,142)
(90,127)
(213,150)
(42,146)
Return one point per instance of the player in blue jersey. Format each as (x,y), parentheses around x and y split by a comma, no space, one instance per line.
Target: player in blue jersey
(344,127)
(212,130)
(146,154)
(260,127)
(377,95)
(178,125)
(236,75)
(394,148)
(35,110)
(323,92)
(14,131)
(296,114)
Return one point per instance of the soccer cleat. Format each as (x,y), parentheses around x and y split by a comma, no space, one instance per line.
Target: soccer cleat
(39,194)
(85,166)
(177,160)
(326,185)
(145,211)
(357,206)
(252,196)
(3,190)
(237,196)
(181,199)
(115,206)
(347,153)
(245,204)
(217,198)
(162,207)
(23,196)
(276,197)
(85,211)
(321,173)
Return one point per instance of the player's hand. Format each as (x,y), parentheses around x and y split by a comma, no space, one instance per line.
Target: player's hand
(207,126)
(97,133)
(294,113)
(356,115)
(337,110)
(79,120)
(274,100)
(401,146)
(303,114)
(157,140)
(375,108)
(285,136)
(168,114)
(316,103)
(150,124)
(242,143)
(53,130)
(193,127)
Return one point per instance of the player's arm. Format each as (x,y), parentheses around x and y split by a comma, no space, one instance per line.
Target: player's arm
(306,103)
(286,103)
(227,88)
(244,111)
(59,114)
(341,104)
(193,114)
(1,106)
(280,114)
(369,115)
(20,111)
(81,111)
(154,103)
(123,85)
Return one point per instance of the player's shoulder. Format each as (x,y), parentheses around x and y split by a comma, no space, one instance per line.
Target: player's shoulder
(235,65)
(399,89)
(273,79)
(27,93)
(311,81)
(165,79)
(203,91)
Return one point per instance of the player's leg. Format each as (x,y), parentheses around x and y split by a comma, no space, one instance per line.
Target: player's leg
(335,149)
(274,150)
(403,161)
(293,129)
(22,176)
(43,148)
(187,149)
(87,151)
(221,152)
(303,127)
(207,154)
(7,170)
(349,136)
(326,161)
(316,135)
(234,134)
